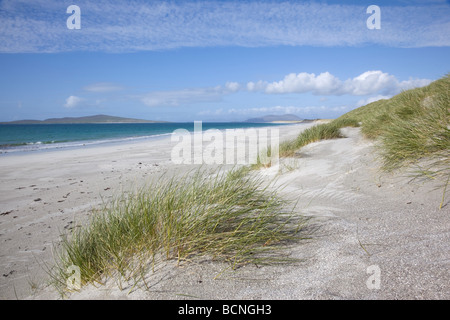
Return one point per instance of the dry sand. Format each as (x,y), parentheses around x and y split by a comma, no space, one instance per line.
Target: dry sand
(364,218)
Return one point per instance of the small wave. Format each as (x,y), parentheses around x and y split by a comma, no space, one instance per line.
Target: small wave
(56,144)
(50,145)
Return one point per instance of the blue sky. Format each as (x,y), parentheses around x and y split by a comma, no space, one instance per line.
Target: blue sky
(214,60)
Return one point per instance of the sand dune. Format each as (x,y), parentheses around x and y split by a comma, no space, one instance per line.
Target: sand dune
(363,218)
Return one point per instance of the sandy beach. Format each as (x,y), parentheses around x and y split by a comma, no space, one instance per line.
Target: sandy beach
(364,220)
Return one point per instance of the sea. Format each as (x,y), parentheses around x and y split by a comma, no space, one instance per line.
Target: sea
(16,138)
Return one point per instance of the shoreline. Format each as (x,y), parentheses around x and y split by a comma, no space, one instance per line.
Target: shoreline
(29,148)
(82,144)
(364,218)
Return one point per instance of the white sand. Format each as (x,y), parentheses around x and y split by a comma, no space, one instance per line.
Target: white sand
(364,218)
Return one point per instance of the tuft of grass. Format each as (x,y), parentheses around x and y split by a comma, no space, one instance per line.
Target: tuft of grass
(419,129)
(324,131)
(313,134)
(231,217)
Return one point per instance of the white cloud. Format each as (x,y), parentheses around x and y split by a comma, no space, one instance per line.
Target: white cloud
(256,86)
(102,87)
(72,102)
(363,102)
(413,83)
(323,84)
(367,83)
(232,86)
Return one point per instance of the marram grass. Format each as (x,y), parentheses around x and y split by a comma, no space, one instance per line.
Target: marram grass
(412,125)
(324,131)
(230,217)
(413,129)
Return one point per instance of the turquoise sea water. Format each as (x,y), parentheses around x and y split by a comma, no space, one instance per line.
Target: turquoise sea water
(35,137)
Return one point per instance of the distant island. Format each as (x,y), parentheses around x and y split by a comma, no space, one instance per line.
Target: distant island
(100,118)
(277,118)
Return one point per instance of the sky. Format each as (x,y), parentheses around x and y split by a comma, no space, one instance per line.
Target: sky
(215,60)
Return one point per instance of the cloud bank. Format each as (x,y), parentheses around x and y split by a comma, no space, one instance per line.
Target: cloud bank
(373,83)
(367,83)
(138,25)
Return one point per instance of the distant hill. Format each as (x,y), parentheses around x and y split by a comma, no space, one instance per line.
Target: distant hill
(100,118)
(276,118)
